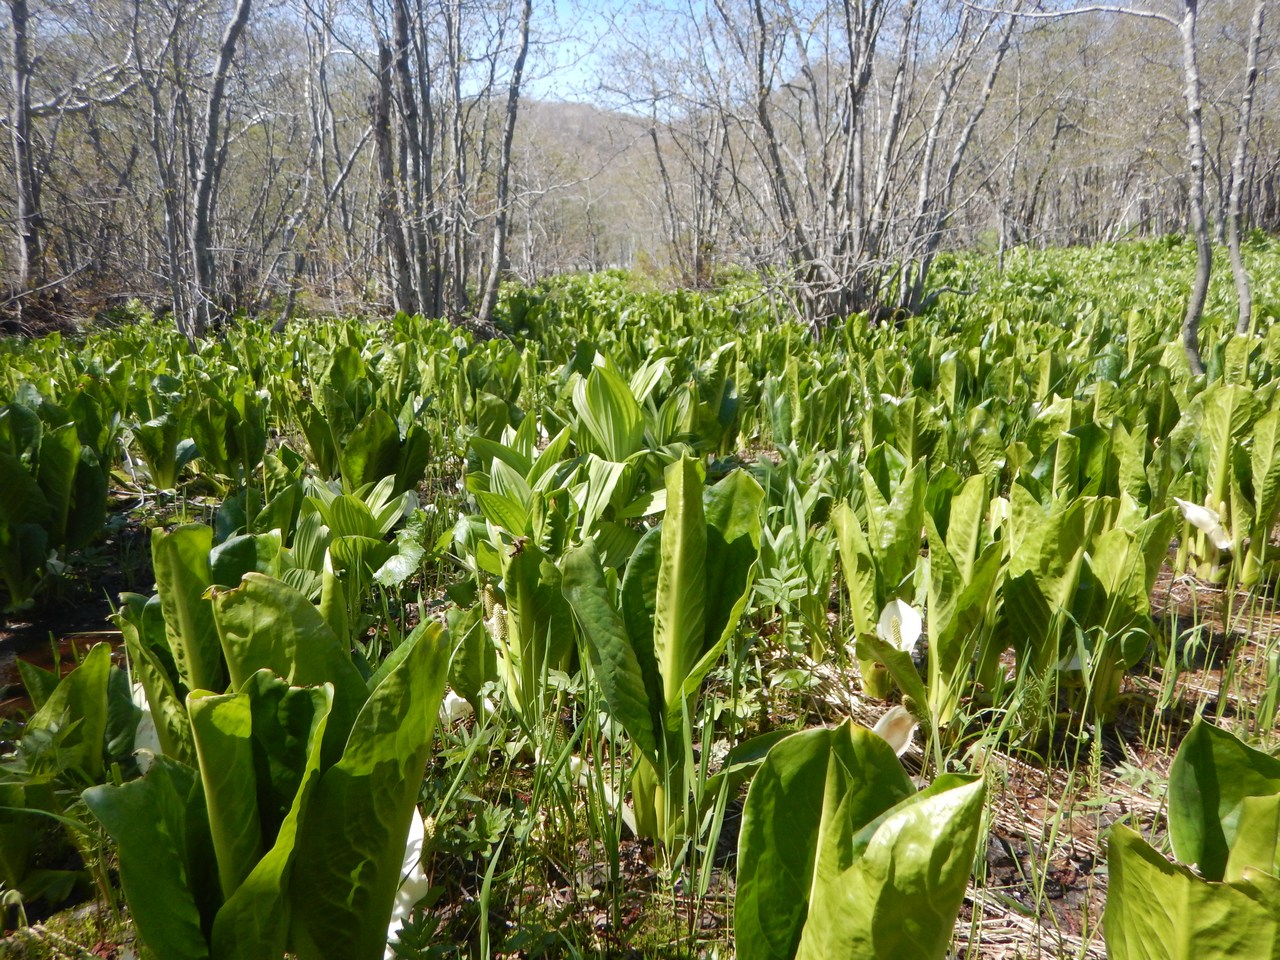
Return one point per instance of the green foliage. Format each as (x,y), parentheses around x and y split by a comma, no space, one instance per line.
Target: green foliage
(878,555)
(653,641)
(1008,467)
(1224,808)
(83,726)
(55,492)
(290,831)
(840,856)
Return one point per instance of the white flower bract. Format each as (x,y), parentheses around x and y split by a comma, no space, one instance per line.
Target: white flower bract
(900,625)
(896,728)
(1207,521)
(413,880)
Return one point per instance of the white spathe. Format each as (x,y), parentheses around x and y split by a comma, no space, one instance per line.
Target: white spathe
(146,739)
(900,625)
(575,762)
(454,708)
(413,880)
(896,727)
(1207,521)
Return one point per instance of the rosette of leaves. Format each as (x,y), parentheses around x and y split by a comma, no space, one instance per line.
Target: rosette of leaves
(286,829)
(840,855)
(1224,820)
(653,639)
(55,492)
(879,553)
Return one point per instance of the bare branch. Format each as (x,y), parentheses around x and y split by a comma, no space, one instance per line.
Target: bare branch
(1075,11)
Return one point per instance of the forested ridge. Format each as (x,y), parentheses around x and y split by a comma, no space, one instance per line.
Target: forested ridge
(211,158)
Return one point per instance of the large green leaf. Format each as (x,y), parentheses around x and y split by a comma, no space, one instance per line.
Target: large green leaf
(414,458)
(679,622)
(899,898)
(1257,843)
(1211,776)
(88,510)
(371,451)
(1114,595)
(489,450)
(19,835)
(320,438)
(1264,470)
(266,624)
(893,528)
(351,840)
(23,502)
(1264,462)
(640,586)
(356,559)
(539,630)
(732,509)
(814,791)
(1226,413)
(59,461)
(223,730)
(637,598)
(238,555)
(603,478)
(917,428)
(903,670)
(122,719)
(157,828)
(859,569)
(503,511)
(153,668)
(183,574)
(288,729)
(1157,910)
(158,441)
(1042,577)
(37,681)
(66,736)
(510,483)
(964,525)
(24,542)
(613,660)
(610,413)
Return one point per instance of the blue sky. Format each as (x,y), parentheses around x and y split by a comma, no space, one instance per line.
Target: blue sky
(576,36)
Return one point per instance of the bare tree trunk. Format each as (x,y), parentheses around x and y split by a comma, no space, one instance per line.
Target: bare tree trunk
(455,300)
(778,181)
(26,186)
(431,299)
(210,169)
(163,135)
(402,294)
(941,207)
(891,142)
(672,208)
(1195,189)
(419,161)
(498,259)
(1244,296)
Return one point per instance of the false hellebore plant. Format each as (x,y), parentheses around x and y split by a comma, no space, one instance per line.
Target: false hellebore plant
(652,640)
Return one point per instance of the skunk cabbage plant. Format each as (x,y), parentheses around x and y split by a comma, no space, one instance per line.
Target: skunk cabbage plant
(1224,817)
(287,831)
(840,856)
